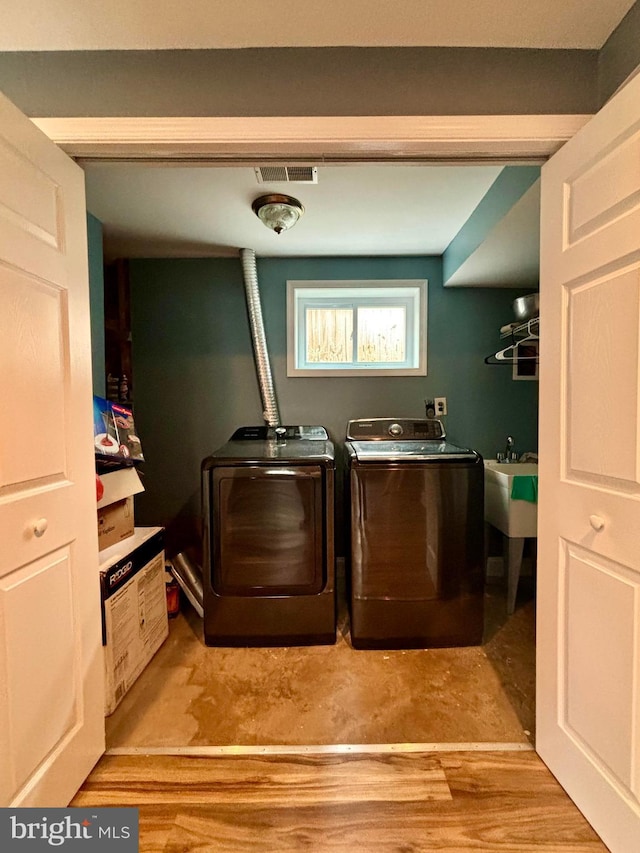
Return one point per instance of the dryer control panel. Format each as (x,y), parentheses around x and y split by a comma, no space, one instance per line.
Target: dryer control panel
(262,433)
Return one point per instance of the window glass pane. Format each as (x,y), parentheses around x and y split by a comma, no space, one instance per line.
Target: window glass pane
(329,335)
(388,335)
(382,334)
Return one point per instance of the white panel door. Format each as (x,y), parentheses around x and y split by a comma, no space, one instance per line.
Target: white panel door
(588,633)
(51,676)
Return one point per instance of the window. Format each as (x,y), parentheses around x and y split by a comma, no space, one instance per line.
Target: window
(356,328)
(525,363)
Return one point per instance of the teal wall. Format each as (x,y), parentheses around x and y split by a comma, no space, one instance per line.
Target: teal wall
(96,297)
(195,376)
(510,185)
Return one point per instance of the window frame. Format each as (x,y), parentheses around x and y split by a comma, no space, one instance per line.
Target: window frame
(414,302)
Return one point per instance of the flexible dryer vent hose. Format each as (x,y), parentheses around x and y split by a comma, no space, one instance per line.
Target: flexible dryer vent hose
(190,580)
(270,411)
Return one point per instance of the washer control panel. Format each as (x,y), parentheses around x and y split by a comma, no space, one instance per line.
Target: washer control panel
(380,429)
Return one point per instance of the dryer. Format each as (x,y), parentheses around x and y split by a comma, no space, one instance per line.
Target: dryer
(268,523)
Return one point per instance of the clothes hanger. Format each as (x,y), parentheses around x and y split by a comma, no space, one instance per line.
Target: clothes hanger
(503,357)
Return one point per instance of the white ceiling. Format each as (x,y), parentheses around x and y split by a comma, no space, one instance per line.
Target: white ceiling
(384,209)
(165,24)
(356,209)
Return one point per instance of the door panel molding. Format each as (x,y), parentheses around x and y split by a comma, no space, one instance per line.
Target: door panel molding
(594,197)
(603,727)
(34,679)
(602,333)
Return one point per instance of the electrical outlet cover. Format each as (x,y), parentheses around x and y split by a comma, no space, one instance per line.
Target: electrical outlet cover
(441,406)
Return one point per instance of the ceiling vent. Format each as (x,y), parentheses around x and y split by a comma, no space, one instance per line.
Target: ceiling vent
(286,174)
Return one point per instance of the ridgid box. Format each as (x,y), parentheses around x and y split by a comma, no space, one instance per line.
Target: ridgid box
(134,609)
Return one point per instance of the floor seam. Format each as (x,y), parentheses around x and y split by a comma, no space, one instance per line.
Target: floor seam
(320,749)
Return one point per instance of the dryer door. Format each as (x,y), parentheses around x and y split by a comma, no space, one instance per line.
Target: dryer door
(268,525)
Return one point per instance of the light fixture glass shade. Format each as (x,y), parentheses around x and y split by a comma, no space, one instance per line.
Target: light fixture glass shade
(278,212)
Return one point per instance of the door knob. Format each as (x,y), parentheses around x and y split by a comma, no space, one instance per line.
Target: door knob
(596,522)
(40,526)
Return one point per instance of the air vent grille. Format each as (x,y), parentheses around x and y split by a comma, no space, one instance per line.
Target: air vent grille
(302,174)
(286,174)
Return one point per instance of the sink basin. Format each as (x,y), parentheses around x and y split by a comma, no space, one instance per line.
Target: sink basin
(514,518)
(512,469)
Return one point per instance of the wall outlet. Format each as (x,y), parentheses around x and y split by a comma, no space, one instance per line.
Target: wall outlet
(441,406)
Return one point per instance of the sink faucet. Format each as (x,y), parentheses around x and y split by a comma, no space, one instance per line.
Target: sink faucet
(508,448)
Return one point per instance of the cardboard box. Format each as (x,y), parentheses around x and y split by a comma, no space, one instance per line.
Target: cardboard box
(115,508)
(134,609)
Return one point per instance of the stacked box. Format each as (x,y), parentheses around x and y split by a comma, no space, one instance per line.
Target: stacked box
(134,609)
(115,508)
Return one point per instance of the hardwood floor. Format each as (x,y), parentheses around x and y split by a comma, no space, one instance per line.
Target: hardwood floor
(455,791)
(452,802)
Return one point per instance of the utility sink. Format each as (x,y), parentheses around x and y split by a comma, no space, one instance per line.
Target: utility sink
(515,518)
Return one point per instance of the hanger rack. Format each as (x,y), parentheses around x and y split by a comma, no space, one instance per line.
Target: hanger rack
(530,329)
(519,334)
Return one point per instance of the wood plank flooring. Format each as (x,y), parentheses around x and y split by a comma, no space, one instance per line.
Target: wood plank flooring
(451,802)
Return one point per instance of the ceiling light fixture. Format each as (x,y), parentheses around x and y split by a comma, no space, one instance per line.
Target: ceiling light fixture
(278,212)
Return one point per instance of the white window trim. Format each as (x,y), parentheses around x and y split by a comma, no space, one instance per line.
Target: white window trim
(364,371)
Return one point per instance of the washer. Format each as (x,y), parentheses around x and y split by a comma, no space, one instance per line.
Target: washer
(268,522)
(417,532)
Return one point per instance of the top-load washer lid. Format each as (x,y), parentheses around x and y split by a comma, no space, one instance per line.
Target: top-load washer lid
(375,451)
(402,439)
(280,445)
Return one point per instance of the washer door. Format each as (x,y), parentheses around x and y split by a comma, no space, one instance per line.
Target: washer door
(268,525)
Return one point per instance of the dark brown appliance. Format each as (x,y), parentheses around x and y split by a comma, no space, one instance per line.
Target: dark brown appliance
(269,563)
(416,529)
